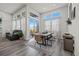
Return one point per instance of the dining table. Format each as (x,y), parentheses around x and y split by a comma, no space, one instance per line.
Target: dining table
(45,36)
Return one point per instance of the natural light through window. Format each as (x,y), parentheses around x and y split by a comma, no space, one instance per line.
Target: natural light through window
(52,15)
(52,21)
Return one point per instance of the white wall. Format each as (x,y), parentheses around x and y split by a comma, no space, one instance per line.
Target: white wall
(74,30)
(62,20)
(6,23)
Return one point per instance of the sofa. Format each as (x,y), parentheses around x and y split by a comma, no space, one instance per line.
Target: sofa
(16,35)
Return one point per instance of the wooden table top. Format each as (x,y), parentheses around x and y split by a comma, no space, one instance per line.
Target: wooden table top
(42,34)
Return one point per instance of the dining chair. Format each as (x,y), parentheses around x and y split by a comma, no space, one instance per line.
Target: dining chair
(50,39)
(39,40)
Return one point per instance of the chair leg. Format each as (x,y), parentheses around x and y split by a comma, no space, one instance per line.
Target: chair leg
(47,42)
(51,43)
(35,44)
(40,46)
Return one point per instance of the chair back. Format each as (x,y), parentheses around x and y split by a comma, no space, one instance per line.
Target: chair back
(39,39)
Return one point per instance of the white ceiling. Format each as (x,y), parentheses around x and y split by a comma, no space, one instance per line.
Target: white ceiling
(40,7)
(10,7)
(44,7)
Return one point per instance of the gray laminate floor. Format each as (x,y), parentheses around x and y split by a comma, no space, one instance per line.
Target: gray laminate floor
(29,48)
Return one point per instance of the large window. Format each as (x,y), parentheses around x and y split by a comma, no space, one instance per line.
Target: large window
(13,25)
(55,25)
(16,24)
(51,16)
(52,21)
(23,22)
(33,24)
(47,25)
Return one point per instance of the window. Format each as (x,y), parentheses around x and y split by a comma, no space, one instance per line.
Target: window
(55,25)
(23,24)
(33,24)
(47,25)
(52,21)
(18,24)
(13,25)
(52,15)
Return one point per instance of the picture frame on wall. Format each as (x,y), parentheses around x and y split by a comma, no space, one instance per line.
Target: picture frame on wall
(73,14)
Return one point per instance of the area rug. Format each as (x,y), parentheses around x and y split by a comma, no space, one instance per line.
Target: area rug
(45,50)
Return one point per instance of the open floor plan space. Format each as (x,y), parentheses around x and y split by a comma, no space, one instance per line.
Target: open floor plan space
(39,29)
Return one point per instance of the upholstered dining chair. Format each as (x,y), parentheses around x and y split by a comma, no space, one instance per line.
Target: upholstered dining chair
(50,39)
(39,40)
